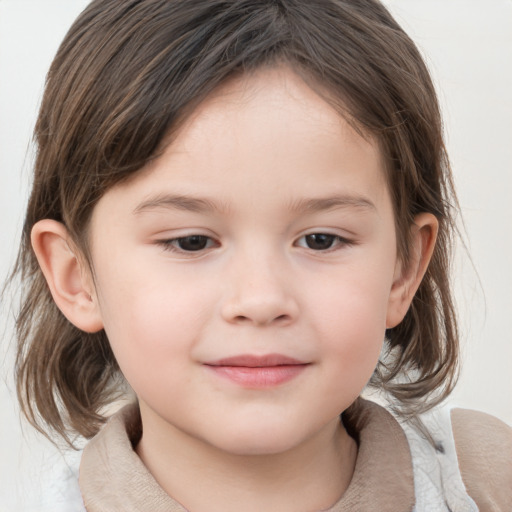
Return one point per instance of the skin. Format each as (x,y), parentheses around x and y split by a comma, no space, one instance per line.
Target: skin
(273,164)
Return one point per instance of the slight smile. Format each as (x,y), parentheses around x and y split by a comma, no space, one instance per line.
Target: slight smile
(258,372)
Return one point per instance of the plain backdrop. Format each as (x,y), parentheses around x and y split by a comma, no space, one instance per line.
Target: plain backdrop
(468,46)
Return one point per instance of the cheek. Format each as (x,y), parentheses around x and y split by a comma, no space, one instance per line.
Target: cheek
(351,321)
(150,322)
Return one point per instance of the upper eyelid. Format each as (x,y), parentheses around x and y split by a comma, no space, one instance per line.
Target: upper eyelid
(344,241)
(169,235)
(161,239)
(167,243)
(170,239)
(347,237)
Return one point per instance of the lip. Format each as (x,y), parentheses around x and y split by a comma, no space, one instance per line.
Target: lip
(258,372)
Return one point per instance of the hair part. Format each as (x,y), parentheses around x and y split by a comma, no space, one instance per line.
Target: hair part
(126,76)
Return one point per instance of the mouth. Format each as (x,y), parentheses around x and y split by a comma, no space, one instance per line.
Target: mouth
(256,372)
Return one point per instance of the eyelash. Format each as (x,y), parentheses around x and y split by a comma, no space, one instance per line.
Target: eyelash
(172,244)
(337,241)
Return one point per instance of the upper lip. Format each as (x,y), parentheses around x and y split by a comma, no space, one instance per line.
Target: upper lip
(252,361)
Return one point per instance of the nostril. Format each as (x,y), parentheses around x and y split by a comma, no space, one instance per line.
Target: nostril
(277,319)
(260,311)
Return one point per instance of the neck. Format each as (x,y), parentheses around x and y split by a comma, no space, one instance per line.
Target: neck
(311,476)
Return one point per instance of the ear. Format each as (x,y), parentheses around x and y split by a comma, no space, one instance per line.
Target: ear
(68,277)
(407,279)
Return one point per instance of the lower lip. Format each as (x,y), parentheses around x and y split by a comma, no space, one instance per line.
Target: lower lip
(259,377)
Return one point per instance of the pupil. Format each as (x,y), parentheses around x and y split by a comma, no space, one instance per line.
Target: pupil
(193,243)
(320,241)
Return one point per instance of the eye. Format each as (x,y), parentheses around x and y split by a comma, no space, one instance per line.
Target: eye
(192,243)
(321,241)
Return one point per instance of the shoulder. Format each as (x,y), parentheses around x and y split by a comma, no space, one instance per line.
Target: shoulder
(484,452)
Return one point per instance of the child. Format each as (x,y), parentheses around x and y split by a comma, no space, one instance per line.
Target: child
(243,210)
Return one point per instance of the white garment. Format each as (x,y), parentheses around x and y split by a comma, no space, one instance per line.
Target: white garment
(438,484)
(55,487)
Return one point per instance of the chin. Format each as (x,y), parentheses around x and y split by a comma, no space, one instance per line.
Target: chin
(258,447)
(265,440)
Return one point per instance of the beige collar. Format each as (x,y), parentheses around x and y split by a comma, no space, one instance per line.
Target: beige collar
(114,479)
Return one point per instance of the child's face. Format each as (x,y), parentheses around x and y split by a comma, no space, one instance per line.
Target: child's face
(266,229)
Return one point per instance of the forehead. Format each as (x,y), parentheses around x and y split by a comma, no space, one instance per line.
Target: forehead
(267,102)
(263,133)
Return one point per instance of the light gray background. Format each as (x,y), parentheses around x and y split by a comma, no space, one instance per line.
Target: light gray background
(468,44)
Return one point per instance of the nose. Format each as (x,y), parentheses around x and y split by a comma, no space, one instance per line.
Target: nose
(259,293)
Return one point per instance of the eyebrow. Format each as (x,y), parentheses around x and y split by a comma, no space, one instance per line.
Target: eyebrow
(179,202)
(332,203)
(203,205)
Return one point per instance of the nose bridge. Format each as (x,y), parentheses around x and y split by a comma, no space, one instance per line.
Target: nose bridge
(259,289)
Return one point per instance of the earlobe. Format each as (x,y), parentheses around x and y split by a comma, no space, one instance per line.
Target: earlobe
(408,278)
(70,283)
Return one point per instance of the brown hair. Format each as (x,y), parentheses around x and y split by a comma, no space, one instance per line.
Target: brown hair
(125,75)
